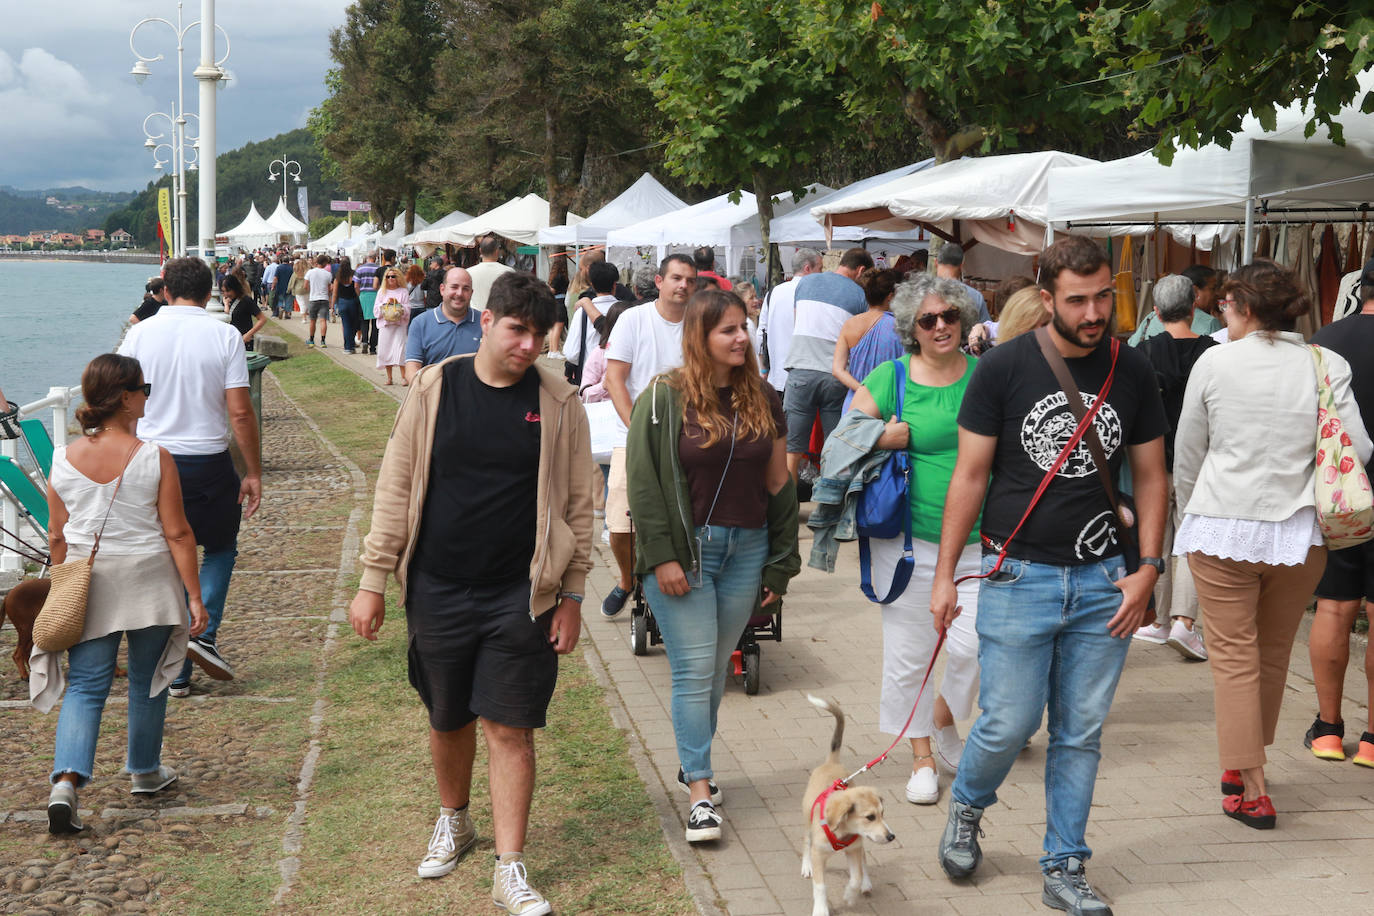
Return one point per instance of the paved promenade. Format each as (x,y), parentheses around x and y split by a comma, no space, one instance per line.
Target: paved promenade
(1160,842)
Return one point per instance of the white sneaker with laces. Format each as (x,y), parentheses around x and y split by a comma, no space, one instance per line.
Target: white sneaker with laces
(949,747)
(511,891)
(453,836)
(923,788)
(1155,633)
(1187,642)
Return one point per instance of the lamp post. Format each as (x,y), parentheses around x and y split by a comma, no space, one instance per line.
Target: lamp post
(289,168)
(209,73)
(183,156)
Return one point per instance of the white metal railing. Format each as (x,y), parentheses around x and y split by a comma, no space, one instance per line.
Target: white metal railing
(59,401)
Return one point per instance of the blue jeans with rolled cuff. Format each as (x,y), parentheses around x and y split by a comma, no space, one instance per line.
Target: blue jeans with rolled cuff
(215,569)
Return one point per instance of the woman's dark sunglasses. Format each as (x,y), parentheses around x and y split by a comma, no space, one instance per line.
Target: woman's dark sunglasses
(949,316)
(146,388)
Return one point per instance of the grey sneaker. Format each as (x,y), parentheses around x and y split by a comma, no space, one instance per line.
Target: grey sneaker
(959,851)
(62,816)
(511,891)
(1067,888)
(156,781)
(453,836)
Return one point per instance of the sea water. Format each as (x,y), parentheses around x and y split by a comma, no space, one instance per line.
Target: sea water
(56,316)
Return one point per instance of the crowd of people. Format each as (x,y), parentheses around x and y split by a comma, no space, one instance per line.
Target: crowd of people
(1068,493)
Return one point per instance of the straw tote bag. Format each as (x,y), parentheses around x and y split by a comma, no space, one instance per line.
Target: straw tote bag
(63,617)
(1345,505)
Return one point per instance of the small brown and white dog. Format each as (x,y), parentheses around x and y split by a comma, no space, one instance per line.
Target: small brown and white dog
(22,604)
(841,821)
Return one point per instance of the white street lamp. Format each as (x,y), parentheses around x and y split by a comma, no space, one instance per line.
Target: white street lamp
(289,168)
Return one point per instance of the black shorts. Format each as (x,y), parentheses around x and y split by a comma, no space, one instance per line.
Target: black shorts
(1349,574)
(474,651)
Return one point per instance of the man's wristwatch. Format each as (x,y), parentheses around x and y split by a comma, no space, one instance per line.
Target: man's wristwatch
(573,595)
(1156,562)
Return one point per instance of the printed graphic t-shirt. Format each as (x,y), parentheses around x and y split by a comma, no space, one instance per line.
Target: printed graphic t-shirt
(478,520)
(1014,396)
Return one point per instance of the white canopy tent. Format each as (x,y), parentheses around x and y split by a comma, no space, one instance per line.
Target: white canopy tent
(644,199)
(335,238)
(445,222)
(286,224)
(519,220)
(800,228)
(253,232)
(393,238)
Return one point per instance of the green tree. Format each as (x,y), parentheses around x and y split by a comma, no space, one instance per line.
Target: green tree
(1198,67)
(323,224)
(743,100)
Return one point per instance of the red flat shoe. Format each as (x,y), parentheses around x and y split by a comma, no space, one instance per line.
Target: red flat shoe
(1258,813)
(1230,783)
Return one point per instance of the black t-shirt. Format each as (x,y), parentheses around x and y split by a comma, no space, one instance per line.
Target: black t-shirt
(743,501)
(243,316)
(478,522)
(1014,396)
(433,280)
(1173,360)
(1353,338)
(621,292)
(148,308)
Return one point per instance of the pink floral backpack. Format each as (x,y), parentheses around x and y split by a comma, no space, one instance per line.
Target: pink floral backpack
(1345,504)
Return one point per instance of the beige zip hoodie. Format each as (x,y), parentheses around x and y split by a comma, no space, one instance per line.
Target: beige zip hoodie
(563,537)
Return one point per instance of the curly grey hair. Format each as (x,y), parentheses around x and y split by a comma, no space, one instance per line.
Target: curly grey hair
(912,293)
(1173,298)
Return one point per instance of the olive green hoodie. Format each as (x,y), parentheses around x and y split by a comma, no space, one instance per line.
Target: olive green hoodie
(662,506)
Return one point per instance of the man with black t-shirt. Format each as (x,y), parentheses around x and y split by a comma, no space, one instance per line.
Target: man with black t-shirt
(1055,620)
(483,514)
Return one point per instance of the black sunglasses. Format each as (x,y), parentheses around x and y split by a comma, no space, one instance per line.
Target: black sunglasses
(146,388)
(927,321)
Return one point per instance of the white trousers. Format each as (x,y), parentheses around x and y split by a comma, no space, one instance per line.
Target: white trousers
(909,638)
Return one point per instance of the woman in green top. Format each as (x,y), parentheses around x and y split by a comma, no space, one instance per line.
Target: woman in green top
(933,317)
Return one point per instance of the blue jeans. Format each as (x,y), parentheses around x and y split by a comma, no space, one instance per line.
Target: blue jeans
(91,667)
(1043,641)
(215,569)
(351,317)
(700,631)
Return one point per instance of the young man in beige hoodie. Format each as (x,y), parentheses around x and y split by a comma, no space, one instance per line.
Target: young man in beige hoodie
(483,513)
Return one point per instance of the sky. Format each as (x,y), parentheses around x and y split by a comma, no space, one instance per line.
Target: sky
(74,115)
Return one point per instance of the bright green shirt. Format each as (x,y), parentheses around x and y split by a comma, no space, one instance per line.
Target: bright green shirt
(931,413)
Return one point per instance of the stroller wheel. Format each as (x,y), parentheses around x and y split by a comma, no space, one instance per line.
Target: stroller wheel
(750,660)
(639,632)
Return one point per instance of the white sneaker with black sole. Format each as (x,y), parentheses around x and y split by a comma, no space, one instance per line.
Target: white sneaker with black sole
(62,817)
(204,653)
(715,789)
(703,823)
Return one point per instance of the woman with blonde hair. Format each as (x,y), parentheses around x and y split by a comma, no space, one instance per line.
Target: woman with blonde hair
(392,309)
(1025,311)
(299,288)
(715,514)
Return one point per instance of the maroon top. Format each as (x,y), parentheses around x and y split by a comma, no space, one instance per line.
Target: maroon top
(743,501)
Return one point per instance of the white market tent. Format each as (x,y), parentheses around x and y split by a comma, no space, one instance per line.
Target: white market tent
(800,228)
(1282,168)
(644,199)
(286,224)
(334,238)
(371,237)
(452,219)
(393,238)
(1000,200)
(253,232)
(519,220)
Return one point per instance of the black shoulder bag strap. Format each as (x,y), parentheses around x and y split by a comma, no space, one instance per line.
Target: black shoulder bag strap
(1090,439)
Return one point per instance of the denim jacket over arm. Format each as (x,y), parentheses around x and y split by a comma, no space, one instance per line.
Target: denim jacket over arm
(849,461)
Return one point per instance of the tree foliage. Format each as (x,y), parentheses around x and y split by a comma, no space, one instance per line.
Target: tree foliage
(1196,68)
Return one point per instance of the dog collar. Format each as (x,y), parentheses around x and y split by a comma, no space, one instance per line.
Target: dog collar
(835,842)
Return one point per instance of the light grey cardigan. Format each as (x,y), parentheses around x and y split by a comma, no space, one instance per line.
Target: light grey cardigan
(1247,437)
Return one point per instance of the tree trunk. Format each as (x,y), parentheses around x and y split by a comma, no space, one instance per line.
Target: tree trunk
(763,199)
(561,182)
(410,209)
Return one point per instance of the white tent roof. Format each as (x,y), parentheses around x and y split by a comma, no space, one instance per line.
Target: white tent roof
(336,237)
(1282,166)
(799,227)
(997,199)
(284,223)
(519,220)
(252,227)
(716,222)
(393,238)
(452,219)
(644,199)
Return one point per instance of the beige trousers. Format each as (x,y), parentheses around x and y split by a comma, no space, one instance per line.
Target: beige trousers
(1175,593)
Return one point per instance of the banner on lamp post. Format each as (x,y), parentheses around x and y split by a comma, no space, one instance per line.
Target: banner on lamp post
(303,201)
(164,213)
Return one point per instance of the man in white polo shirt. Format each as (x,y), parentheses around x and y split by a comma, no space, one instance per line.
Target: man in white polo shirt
(199,373)
(485,272)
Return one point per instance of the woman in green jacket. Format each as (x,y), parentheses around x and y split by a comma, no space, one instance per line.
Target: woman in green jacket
(715,514)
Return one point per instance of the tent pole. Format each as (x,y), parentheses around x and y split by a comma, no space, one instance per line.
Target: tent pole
(1247,253)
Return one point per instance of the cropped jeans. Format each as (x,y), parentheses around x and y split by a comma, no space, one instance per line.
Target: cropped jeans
(215,569)
(1043,641)
(701,630)
(90,672)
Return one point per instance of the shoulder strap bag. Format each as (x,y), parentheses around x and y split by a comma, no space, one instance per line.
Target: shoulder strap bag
(1345,505)
(885,509)
(62,620)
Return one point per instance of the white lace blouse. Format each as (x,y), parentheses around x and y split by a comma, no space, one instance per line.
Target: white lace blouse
(1249,540)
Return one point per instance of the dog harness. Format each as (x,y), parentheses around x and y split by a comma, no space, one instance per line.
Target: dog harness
(835,842)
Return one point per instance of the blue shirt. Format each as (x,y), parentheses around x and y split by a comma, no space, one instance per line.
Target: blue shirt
(434,338)
(268,274)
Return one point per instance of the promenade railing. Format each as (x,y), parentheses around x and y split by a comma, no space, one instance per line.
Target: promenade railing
(58,401)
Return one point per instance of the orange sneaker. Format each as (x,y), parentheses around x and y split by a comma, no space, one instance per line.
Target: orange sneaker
(1324,740)
(1364,756)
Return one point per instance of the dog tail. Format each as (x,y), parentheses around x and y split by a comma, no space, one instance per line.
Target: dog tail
(833,708)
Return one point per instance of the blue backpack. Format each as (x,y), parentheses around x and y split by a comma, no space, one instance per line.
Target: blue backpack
(884,511)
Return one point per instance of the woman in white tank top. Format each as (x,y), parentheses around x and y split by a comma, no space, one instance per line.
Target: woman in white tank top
(147,557)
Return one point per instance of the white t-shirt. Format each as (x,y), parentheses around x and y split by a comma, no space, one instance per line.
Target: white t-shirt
(190,358)
(776,319)
(649,343)
(319,279)
(483,275)
(573,345)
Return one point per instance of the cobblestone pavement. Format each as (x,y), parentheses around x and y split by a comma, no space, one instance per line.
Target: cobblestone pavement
(289,559)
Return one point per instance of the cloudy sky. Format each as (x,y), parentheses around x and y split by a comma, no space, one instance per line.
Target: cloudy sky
(74,116)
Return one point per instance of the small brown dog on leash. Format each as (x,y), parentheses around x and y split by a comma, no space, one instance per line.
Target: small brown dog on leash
(22,604)
(838,818)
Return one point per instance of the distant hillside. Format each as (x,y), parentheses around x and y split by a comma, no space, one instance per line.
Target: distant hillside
(23,210)
(242,179)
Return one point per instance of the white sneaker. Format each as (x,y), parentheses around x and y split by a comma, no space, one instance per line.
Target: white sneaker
(1155,633)
(453,836)
(923,788)
(511,891)
(949,747)
(606,536)
(1187,642)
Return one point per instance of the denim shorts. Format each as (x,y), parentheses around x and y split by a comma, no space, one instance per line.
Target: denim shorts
(319,309)
(807,392)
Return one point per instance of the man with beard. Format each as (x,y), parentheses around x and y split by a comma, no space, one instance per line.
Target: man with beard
(1055,619)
